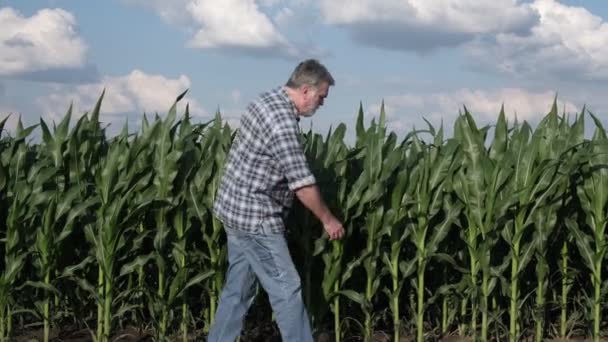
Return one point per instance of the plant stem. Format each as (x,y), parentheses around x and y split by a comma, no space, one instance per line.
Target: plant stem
(484,304)
(420,305)
(47,280)
(100,305)
(564,298)
(396,320)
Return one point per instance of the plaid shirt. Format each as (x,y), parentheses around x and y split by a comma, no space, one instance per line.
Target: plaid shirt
(266,164)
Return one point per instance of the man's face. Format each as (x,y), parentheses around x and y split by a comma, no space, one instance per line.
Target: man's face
(314,98)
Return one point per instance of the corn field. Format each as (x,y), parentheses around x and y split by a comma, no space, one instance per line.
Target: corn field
(494,232)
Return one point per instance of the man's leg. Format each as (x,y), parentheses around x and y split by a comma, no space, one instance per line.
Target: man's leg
(237,295)
(271,261)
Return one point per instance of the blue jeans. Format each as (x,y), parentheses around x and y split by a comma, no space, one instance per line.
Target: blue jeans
(264,258)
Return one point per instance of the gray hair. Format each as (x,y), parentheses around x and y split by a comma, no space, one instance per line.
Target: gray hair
(309,72)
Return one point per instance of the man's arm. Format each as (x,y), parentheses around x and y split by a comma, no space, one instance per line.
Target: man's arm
(285,147)
(310,196)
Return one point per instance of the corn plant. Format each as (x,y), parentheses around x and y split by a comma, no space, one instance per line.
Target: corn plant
(57,200)
(302,224)
(378,172)
(479,183)
(593,196)
(143,202)
(431,213)
(86,145)
(18,191)
(534,184)
(402,199)
(213,146)
(327,159)
(184,148)
(557,158)
(116,182)
(400,228)
(183,246)
(166,167)
(575,135)
(566,285)
(346,204)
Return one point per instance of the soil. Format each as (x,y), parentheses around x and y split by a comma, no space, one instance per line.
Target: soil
(257,334)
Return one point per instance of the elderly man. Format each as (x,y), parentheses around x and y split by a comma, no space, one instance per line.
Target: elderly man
(266,166)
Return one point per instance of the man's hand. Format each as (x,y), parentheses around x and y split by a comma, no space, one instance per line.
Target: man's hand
(311,198)
(334,229)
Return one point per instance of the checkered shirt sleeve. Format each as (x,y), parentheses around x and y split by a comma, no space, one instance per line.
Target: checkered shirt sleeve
(286,149)
(266,164)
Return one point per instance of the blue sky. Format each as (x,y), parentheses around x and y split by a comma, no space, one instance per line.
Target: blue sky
(425,59)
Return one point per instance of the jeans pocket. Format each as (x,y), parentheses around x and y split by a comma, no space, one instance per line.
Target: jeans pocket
(264,254)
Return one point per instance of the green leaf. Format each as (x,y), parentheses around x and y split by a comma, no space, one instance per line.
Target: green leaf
(139,262)
(40,285)
(354,296)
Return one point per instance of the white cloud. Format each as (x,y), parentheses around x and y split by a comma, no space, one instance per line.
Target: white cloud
(568,41)
(518,103)
(423,24)
(284,17)
(134,93)
(253,27)
(228,24)
(173,12)
(407,110)
(455,15)
(233,23)
(538,39)
(270,3)
(48,39)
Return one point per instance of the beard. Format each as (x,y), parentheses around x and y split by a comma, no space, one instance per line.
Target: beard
(310,112)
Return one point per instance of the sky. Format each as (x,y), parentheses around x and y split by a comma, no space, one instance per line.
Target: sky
(425,59)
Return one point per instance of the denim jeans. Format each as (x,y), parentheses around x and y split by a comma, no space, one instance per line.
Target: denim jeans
(264,258)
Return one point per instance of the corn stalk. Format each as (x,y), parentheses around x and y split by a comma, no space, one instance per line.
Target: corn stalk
(378,172)
(118,210)
(479,184)
(210,158)
(348,205)
(431,212)
(328,160)
(535,184)
(166,167)
(593,196)
(558,158)
(398,269)
(17,185)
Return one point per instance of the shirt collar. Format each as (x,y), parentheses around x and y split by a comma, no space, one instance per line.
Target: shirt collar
(283,92)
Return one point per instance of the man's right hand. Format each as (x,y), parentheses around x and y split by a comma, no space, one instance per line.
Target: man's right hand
(334,229)
(310,196)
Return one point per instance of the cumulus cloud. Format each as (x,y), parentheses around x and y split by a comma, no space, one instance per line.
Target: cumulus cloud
(537,39)
(46,40)
(422,25)
(567,41)
(284,17)
(233,23)
(170,12)
(136,92)
(241,26)
(407,110)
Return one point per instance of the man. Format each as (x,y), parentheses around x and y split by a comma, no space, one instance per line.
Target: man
(266,166)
